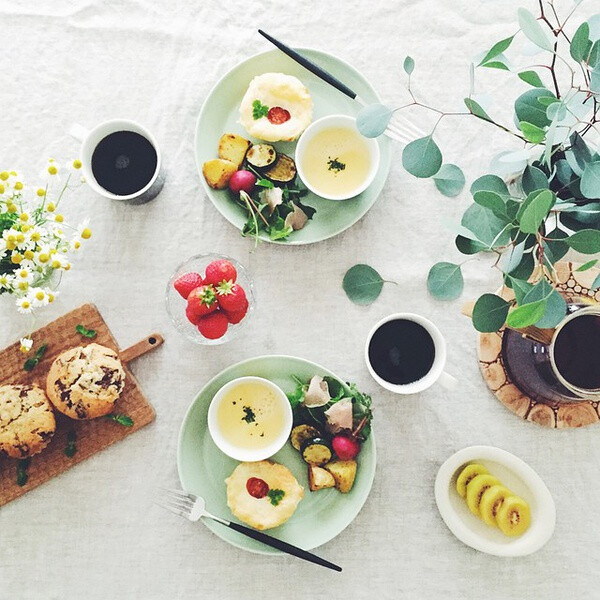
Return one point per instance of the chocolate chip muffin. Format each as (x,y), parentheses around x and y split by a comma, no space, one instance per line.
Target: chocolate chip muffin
(86,381)
(26,420)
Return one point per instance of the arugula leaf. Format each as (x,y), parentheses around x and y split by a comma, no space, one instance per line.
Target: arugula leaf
(259,110)
(22,474)
(121,419)
(85,332)
(32,362)
(266,183)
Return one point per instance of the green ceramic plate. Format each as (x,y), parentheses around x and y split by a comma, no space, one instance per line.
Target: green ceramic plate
(220,114)
(203,468)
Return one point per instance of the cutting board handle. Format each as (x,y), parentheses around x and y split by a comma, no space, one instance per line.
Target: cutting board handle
(154,340)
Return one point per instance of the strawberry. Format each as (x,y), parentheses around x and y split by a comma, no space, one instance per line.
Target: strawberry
(220,270)
(213,326)
(201,301)
(185,283)
(238,315)
(231,297)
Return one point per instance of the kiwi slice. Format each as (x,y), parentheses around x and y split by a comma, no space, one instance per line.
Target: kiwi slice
(491,501)
(477,486)
(466,475)
(513,517)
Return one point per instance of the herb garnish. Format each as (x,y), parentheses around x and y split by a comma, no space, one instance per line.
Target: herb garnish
(22,475)
(266,183)
(249,417)
(275,496)
(124,420)
(71,447)
(85,332)
(259,110)
(31,363)
(333,164)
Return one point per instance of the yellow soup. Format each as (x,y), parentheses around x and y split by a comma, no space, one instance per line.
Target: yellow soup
(336,161)
(250,416)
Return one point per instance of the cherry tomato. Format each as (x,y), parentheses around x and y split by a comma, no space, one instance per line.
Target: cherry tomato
(278,115)
(257,488)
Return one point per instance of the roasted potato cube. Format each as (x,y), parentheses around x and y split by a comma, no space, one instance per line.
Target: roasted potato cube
(344,472)
(319,478)
(218,172)
(233,148)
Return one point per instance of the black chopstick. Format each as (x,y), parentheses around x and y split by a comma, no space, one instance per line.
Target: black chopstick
(311,66)
(281,545)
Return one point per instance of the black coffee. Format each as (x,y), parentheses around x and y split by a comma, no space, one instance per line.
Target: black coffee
(577,352)
(401,351)
(124,162)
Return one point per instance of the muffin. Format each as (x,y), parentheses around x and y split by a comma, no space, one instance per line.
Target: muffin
(86,381)
(26,420)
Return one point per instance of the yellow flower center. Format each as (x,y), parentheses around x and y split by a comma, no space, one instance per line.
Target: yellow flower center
(68,267)
(51,207)
(23,285)
(55,264)
(25,304)
(11,238)
(11,245)
(12,208)
(18,186)
(77,245)
(86,234)
(24,217)
(50,297)
(16,258)
(59,218)
(77,164)
(4,175)
(23,273)
(43,257)
(35,236)
(41,192)
(40,295)
(29,254)
(1,188)
(52,170)
(20,238)
(25,228)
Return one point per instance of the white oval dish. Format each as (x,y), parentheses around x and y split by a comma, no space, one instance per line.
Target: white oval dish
(514,474)
(245,454)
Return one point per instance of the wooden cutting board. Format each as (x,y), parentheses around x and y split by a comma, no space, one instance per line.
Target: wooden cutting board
(91,436)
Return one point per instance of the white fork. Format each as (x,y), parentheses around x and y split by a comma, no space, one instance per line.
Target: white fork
(193,508)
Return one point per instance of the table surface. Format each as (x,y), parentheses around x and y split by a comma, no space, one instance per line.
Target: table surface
(93,532)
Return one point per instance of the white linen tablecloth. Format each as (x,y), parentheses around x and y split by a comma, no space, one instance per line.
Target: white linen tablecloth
(93,532)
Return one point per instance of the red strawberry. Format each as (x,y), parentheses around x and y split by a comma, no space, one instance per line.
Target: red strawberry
(185,283)
(236,317)
(220,270)
(231,296)
(213,326)
(201,301)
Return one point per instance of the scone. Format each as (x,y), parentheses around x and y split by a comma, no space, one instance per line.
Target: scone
(26,420)
(86,381)
(263,494)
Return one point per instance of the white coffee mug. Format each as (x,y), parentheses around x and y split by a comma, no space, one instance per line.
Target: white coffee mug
(89,141)
(435,374)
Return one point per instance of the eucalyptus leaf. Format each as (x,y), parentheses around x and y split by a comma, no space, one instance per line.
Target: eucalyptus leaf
(449,180)
(489,313)
(490,183)
(525,268)
(596,283)
(526,314)
(521,289)
(362,284)
(488,227)
(554,312)
(534,179)
(555,246)
(469,246)
(445,281)
(580,43)
(491,200)
(536,212)
(590,180)
(373,120)
(496,64)
(422,157)
(511,259)
(532,29)
(409,65)
(532,133)
(532,78)
(586,241)
(588,265)
(475,109)
(497,49)
(529,109)
(556,111)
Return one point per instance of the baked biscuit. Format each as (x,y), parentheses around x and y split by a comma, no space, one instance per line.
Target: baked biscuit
(86,381)
(26,420)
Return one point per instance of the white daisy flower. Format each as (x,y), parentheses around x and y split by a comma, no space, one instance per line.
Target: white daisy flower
(75,243)
(23,274)
(26,345)
(83,230)
(24,305)
(38,297)
(6,281)
(43,256)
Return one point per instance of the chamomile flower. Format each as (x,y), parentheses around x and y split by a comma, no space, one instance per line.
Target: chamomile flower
(83,230)
(6,281)
(75,243)
(39,297)
(26,345)
(24,305)
(24,274)
(43,256)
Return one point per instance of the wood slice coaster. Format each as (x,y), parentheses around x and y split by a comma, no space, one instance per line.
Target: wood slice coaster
(555,412)
(91,436)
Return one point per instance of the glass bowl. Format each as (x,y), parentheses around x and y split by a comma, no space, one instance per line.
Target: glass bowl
(176,304)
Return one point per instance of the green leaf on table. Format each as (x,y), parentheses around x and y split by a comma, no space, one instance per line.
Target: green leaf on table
(490,183)
(586,241)
(533,179)
(489,313)
(556,111)
(555,309)
(580,43)
(468,246)
(22,471)
(124,420)
(533,31)
(590,180)
(409,65)
(488,227)
(422,157)
(373,120)
(445,281)
(588,265)
(532,78)
(85,332)
(521,288)
(530,109)
(511,259)
(532,133)
(536,211)
(449,180)
(362,284)
(526,314)
(266,183)
(32,362)
(496,64)
(497,49)
(475,109)
(491,200)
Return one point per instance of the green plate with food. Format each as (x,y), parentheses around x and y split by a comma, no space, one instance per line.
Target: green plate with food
(313,487)
(247,135)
